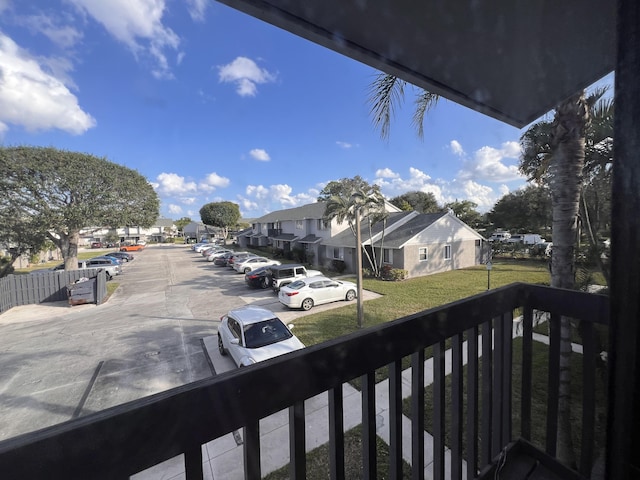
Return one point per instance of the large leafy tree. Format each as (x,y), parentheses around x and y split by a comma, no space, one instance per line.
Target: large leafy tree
(19,234)
(466,211)
(58,192)
(423,202)
(181,223)
(526,210)
(224,215)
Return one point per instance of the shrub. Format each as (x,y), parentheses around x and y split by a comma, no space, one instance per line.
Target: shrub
(393,274)
(338,266)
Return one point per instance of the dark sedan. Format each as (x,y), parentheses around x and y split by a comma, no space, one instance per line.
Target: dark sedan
(123,256)
(223,260)
(258,278)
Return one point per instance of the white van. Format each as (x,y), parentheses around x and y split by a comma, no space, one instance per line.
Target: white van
(500,237)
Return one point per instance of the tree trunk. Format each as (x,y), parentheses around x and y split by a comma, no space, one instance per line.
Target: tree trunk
(68,245)
(568,147)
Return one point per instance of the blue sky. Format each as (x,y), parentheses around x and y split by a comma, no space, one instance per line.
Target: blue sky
(210,104)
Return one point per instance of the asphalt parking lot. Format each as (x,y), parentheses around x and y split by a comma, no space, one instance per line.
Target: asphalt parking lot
(59,362)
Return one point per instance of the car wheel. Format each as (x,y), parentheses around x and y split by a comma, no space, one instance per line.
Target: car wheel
(264,283)
(247,270)
(350,295)
(221,348)
(307,304)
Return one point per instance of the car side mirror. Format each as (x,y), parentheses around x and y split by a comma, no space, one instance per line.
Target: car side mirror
(235,341)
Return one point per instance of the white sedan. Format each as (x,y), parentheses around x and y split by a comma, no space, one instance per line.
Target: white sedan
(251,334)
(251,263)
(307,292)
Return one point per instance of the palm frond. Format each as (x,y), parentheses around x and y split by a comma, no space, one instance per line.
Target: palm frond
(425,101)
(384,94)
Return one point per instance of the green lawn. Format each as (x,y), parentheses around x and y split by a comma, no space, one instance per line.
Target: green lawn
(410,296)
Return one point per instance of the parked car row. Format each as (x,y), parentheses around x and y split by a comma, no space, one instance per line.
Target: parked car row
(251,334)
(111,263)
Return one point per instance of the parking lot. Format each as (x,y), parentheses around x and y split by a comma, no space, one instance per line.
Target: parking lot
(60,362)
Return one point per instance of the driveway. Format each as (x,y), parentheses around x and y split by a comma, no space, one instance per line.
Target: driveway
(59,362)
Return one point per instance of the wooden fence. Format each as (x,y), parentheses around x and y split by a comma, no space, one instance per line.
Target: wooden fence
(46,287)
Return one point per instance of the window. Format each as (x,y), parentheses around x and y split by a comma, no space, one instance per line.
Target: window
(447,252)
(322,225)
(387,255)
(423,254)
(336,252)
(477,243)
(299,225)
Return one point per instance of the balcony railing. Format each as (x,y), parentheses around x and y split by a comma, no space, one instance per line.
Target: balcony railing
(130,438)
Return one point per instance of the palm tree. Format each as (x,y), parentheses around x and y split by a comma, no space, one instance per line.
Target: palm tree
(566,159)
(365,202)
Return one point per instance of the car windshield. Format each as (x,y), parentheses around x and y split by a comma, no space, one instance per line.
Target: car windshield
(297,285)
(265,333)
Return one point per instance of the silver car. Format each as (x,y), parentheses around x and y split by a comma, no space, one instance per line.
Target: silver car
(251,334)
(310,291)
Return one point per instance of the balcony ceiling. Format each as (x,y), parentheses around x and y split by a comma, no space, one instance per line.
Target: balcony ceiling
(512,60)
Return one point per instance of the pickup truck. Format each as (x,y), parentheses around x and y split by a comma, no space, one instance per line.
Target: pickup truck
(282,275)
(110,269)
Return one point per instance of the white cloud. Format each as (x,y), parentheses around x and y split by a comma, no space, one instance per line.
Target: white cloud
(344,145)
(482,195)
(260,155)
(246,204)
(278,196)
(174,209)
(197,9)
(394,184)
(456,147)
(137,24)
(257,191)
(64,36)
(386,173)
(246,74)
(33,98)
(489,164)
(213,181)
(174,184)
(188,200)
(4,5)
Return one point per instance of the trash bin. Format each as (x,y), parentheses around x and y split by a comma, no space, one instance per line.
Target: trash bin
(82,291)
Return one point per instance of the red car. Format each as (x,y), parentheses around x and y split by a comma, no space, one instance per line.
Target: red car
(96,244)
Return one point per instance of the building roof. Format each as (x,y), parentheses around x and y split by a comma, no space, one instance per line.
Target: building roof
(287,237)
(311,210)
(346,238)
(310,239)
(397,237)
(164,222)
(508,59)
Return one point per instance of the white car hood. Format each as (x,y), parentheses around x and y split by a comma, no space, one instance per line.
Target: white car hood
(275,349)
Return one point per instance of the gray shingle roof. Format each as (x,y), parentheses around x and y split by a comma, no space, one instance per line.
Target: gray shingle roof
(312,210)
(413,227)
(347,239)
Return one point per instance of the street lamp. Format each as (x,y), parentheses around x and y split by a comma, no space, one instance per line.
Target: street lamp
(489,267)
